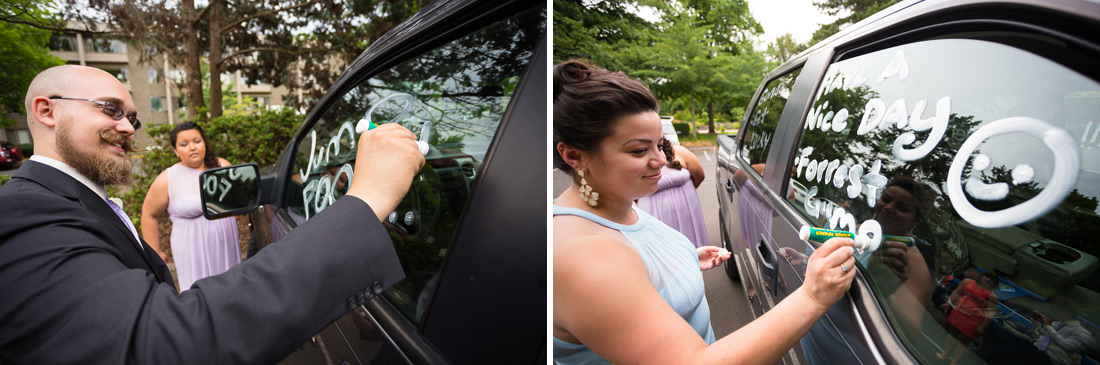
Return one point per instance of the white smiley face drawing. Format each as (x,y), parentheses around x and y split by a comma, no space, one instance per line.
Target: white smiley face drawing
(1067,162)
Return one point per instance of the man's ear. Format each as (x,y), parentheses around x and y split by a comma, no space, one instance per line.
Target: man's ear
(42,111)
(573,157)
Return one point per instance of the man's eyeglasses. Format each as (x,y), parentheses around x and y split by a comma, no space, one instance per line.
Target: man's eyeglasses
(111,109)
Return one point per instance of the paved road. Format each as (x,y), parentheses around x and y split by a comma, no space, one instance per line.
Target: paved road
(728,306)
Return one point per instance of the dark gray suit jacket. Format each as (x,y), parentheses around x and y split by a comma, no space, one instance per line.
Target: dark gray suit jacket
(75,289)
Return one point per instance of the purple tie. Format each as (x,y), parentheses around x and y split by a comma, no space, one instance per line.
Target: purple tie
(122,215)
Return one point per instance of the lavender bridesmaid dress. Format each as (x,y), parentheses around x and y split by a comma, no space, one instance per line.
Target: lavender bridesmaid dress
(200,247)
(676,203)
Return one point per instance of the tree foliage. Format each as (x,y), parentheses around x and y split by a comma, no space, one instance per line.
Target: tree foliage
(698,53)
(22,52)
(303,44)
(856,10)
(785,48)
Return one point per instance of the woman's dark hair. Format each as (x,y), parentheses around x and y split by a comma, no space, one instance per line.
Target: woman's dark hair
(992,277)
(211,158)
(670,155)
(922,193)
(587,100)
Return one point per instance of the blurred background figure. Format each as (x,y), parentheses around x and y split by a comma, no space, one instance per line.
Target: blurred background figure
(973,306)
(676,202)
(1064,341)
(200,247)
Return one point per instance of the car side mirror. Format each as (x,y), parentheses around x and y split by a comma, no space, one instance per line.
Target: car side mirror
(229,190)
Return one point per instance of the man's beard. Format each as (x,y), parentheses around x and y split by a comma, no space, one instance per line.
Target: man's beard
(99,167)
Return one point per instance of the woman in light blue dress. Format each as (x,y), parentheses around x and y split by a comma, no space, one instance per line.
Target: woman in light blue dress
(628,288)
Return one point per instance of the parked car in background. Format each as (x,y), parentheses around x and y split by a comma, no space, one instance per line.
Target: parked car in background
(961,134)
(668,129)
(469,77)
(10,155)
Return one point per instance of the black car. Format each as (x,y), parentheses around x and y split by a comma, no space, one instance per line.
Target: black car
(470,78)
(962,134)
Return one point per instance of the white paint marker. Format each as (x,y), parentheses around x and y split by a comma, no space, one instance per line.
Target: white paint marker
(821,235)
(422,144)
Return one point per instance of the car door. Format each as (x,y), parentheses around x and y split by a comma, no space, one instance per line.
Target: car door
(468,78)
(914,133)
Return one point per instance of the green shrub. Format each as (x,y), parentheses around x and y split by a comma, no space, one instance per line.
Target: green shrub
(4,179)
(682,129)
(28,150)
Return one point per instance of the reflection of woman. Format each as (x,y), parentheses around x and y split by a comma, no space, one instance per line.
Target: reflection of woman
(676,203)
(627,288)
(904,204)
(974,304)
(200,247)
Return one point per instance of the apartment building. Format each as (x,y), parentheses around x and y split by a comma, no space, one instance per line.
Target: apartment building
(155,88)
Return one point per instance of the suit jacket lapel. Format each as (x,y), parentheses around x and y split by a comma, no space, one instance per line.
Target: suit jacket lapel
(94,204)
(63,184)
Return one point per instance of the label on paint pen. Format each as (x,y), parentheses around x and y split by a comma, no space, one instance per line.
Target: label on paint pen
(808,233)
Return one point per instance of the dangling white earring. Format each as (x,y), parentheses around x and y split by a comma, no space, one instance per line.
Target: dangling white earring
(587,194)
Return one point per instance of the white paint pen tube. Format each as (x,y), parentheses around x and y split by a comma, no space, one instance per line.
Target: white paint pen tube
(815,234)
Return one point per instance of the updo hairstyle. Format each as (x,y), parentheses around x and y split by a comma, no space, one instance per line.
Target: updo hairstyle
(587,101)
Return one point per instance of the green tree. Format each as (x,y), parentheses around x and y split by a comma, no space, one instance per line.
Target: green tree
(275,42)
(856,10)
(606,32)
(702,53)
(23,53)
(784,48)
(697,54)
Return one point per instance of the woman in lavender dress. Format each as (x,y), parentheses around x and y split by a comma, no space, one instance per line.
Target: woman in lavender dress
(200,247)
(676,203)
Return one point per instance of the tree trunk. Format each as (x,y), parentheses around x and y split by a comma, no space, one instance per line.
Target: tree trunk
(215,60)
(191,58)
(710,114)
(694,134)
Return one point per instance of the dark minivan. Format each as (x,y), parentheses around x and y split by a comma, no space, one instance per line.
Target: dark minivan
(469,77)
(959,136)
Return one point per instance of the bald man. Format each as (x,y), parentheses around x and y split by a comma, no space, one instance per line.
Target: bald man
(77,285)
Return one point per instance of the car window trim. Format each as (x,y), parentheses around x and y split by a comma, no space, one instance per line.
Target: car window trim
(791,122)
(754,104)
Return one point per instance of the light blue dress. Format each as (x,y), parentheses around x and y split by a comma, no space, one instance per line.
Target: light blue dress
(673,266)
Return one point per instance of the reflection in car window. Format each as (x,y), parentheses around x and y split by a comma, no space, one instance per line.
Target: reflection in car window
(765,118)
(964,157)
(459,93)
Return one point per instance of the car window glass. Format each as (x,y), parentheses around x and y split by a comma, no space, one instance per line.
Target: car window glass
(458,93)
(765,118)
(961,157)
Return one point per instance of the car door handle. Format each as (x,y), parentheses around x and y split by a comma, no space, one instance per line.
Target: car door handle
(729,185)
(767,256)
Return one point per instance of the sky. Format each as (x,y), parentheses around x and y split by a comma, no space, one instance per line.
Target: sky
(798,17)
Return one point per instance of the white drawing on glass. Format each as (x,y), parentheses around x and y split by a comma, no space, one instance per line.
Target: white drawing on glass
(873,183)
(1022,174)
(840,121)
(1067,161)
(939,129)
(872,115)
(898,66)
(839,176)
